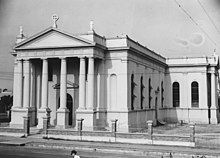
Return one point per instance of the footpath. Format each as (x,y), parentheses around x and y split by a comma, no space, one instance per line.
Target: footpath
(142,150)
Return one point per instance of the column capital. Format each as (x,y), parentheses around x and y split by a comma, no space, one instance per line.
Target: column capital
(82,58)
(91,57)
(19,60)
(26,60)
(44,58)
(62,58)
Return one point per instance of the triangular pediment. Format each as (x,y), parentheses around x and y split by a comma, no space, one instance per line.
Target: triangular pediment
(53,38)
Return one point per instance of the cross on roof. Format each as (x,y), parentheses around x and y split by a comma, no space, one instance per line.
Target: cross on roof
(55,19)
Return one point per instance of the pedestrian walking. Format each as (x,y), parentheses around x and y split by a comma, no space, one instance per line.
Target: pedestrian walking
(73,154)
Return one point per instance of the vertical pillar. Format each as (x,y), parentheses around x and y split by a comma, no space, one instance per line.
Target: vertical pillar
(32,87)
(91,84)
(33,108)
(63,112)
(192,133)
(213,108)
(17,112)
(26,104)
(44,111)
(20,84)
(45,124)
(44,94)
(114,125)
(213,90)
(150,129)
(26,125)
(63,81)
(79,124)
(101,87)
(15,85)
(82,84)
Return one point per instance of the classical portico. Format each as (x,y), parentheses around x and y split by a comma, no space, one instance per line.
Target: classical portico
(33,90)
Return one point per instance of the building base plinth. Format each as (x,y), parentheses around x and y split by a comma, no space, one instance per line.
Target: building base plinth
(62,118)
(17,117)
(42,113)
(214,117)
(89,119)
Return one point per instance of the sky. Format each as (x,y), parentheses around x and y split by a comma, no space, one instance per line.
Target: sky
(172,28)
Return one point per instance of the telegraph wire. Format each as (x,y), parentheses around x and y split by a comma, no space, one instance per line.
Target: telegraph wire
(208,16)
(191,18)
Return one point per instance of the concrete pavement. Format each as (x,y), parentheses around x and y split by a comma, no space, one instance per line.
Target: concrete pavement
(37,141)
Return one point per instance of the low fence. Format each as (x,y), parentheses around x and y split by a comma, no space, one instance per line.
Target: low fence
(187,135)
(147,137)
(207,137)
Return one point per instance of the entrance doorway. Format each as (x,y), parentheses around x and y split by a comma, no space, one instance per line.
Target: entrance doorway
(156,110)
(69,105)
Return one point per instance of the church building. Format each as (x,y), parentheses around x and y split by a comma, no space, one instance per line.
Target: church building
(67,77)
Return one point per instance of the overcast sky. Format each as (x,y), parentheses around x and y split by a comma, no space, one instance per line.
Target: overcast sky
(169,27)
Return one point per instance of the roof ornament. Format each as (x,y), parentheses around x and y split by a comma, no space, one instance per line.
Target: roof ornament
(21,36)
(91,26)
(55,19)
(21,31)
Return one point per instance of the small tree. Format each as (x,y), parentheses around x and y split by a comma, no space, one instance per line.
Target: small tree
(6,102)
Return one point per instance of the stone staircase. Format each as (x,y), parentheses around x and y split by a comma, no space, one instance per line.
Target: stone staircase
(35,131)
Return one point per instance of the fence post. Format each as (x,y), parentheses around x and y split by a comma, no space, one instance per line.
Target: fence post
(79,126)
(46,124)
(150,129)
(192,133)
(114,127)
(26,125)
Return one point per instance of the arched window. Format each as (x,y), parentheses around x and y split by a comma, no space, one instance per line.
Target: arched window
(132,91)
(162,92)
(149,92)
(195,94)
(142,92)
(176,94)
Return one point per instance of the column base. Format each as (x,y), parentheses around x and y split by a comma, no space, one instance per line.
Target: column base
(62,118)
(89,116)
(33,118)
(17,117)
(42,113)
(214,118)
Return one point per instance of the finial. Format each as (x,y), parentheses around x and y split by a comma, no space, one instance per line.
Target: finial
(21,36)
(21,30)
(91,26)
(55,19)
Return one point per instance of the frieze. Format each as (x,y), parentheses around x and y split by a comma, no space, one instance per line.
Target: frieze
(60,53)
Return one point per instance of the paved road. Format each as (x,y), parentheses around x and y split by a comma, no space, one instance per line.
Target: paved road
(24,152)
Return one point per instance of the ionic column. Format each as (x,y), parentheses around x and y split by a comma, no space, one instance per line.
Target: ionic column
(213,90)
(63,81)
(26,84)
(44,94)
(91,83)
(19,84)
(82,84)
(33,87)
(15,85)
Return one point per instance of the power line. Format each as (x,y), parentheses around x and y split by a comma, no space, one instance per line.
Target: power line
(208,16)
(191,18)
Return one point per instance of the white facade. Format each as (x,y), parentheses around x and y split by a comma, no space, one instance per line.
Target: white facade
(69,77)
